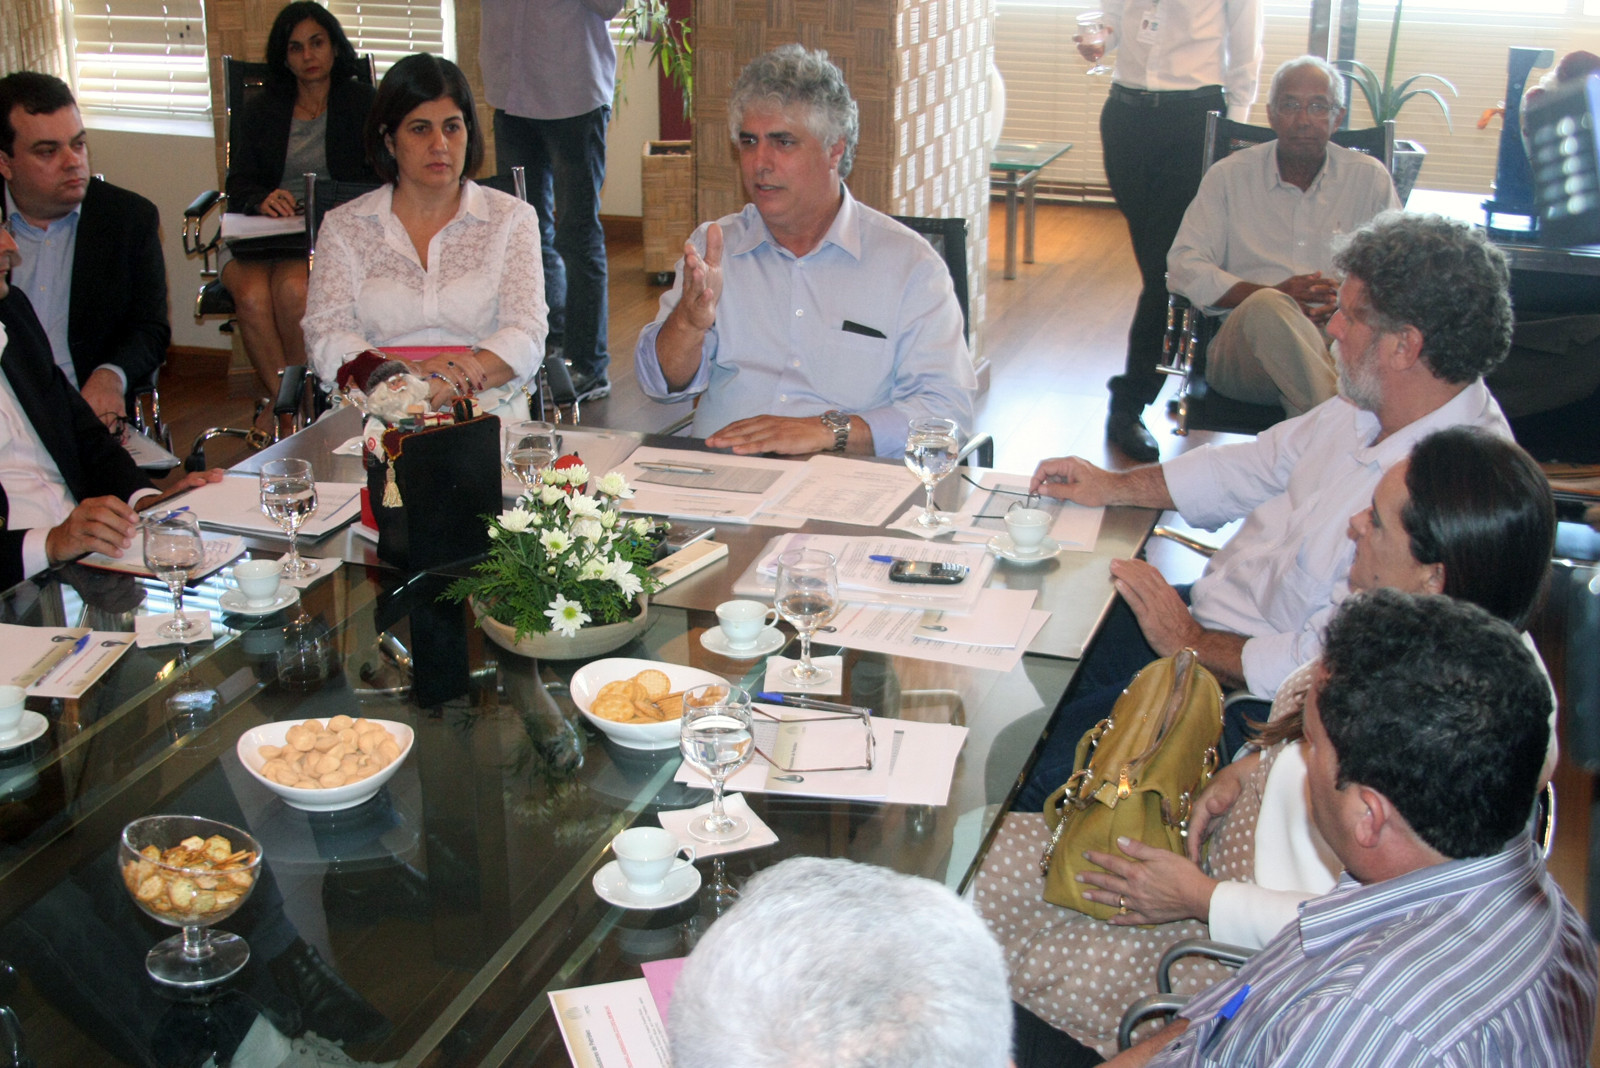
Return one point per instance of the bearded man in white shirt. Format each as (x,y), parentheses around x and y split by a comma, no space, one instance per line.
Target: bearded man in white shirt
(1424,312)
(1257,243)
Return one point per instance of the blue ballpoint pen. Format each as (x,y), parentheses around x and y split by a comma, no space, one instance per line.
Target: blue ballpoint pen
(77,647)
(1224,1017)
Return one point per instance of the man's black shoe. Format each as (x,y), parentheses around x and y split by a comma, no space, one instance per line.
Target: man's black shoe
(328,1005)
(1127,432)
(590,386)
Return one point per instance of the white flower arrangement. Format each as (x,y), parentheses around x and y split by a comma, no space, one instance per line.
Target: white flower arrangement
(564,557)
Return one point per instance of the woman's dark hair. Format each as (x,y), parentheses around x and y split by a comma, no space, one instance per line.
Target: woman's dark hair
(1481,507)
(346,64)
(410,83)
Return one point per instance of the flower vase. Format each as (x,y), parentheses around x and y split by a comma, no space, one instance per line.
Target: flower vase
(589,641)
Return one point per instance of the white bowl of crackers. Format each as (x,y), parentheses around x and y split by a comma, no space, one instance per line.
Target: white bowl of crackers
(637,703)
(324,767)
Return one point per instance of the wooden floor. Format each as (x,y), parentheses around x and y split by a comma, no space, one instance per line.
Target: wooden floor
(1053,336)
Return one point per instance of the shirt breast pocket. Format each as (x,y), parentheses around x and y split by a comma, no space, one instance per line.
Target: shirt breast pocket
(857,370)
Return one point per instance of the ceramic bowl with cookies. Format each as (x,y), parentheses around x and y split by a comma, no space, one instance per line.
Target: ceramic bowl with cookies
(636,703)
(325,766)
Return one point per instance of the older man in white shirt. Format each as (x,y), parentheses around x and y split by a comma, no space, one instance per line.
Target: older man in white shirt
(1175,61)
(1257,243)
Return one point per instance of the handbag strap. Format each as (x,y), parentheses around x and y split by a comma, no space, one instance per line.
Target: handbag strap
(1183,675)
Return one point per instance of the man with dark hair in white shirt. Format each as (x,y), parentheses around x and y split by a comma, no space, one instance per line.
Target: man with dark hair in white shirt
(1175,61)
(1257,243)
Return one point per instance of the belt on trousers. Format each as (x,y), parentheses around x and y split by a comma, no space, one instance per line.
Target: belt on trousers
(1147,98)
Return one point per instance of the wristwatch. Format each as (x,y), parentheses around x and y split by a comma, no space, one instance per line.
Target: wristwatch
(839,423)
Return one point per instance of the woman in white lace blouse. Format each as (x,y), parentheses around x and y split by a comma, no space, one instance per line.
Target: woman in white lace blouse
(432,260)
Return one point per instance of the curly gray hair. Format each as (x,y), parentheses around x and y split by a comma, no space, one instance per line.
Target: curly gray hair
(789,75)
(1442,277)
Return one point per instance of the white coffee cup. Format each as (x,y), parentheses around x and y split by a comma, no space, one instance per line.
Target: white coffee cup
(743,621)
(647,855)
(258,580)
(11,701)
(1027,527)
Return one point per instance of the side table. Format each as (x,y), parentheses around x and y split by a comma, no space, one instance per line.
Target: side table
(1015,168)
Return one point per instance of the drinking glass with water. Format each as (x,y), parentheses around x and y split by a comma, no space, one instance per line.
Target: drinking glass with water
(289,498)
(715,738)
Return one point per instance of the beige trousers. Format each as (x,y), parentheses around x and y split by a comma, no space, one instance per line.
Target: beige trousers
(1268,352)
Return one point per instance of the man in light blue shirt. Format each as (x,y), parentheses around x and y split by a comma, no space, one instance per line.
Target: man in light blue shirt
(808,321)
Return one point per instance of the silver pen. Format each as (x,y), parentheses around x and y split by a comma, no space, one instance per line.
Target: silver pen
(680,469)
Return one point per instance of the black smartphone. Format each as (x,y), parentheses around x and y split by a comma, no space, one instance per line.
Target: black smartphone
(681,535)
(927,571)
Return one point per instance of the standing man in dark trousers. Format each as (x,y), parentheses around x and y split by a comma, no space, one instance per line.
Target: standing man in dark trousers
(549,71)
(1175,61)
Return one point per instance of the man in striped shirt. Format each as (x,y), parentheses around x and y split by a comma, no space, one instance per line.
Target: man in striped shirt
(1445,942)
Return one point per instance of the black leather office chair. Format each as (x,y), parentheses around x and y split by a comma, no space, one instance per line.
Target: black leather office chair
(1190,329)
(949,238)
(555,398)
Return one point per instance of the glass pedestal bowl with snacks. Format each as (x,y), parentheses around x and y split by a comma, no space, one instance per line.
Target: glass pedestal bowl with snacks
(190,872)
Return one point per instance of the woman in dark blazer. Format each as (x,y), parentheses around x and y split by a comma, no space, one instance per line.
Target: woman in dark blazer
(309,118)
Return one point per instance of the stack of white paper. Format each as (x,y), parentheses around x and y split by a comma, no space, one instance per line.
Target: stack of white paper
(706,485)
(865,580)
(235,504)
(914,766)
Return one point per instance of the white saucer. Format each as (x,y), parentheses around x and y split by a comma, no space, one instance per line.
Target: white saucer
(1003,547)
(770,640)
(32,726)
(234,601)
(680,886)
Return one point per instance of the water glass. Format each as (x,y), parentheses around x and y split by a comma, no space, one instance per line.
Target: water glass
(530,447)
(807,595)
(932,446)
(715,738)
(289,498)
(172,549)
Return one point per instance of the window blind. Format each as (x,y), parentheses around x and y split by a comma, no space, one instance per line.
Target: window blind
(139,56)
(394,29)
(1050,98)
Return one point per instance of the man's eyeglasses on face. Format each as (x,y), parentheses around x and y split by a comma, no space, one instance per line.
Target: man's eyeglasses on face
(1317,109)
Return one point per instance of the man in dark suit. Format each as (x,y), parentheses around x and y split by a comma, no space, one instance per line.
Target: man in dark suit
(63,478)
(101,293)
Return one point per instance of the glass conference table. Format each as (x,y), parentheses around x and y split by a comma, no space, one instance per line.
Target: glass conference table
(456,899)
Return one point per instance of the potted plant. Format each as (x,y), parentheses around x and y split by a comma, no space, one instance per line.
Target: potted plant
(567,574)
(667,170)
(1385,99)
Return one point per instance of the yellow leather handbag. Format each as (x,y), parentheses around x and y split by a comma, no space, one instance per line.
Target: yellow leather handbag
(1136,774)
